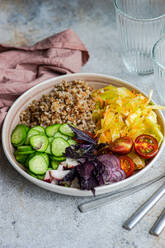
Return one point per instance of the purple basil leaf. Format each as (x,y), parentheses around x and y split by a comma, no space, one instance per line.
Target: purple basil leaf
(101,146)
(87,147)
(84,170)
(69,177)
(99,171)
(80,135)
(86,178)
(73,152)
(90,174)
(89,184)
(80,151)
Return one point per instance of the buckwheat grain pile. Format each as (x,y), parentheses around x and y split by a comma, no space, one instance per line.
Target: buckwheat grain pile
(68,102)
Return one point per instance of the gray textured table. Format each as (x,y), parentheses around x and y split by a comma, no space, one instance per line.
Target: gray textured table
(33,217)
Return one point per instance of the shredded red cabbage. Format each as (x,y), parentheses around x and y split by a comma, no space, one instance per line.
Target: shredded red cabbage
(113,171)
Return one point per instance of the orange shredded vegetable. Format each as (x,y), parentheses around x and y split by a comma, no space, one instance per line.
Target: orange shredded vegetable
(122,112)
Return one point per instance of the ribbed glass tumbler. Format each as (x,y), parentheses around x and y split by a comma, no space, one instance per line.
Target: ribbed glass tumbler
(158,55)
(140,24)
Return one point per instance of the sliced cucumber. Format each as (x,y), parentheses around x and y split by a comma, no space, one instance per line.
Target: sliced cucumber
(32,174)
(31,133)
(26,128)
(18,135)
(59,159)
(21,158)
(38,164)
(54,164)
(46,157)
(71,142)
(25,152)
(24,148)
(39,142)
(60,135)
(41,177)
(28,158)
(51,130)
(40,129)
(58,146)
(65,129)
(48,150)
(50,139)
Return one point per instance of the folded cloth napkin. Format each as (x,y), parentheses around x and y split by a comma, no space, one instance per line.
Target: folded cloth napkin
(23,67)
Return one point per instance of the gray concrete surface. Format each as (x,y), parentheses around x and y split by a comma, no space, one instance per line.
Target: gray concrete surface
(33,217)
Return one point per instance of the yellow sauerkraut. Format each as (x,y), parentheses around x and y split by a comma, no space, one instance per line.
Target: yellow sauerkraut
(121,112)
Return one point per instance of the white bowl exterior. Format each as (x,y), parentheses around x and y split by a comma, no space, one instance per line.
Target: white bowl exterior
(23,101)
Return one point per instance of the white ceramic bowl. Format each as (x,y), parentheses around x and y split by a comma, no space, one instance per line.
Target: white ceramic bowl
(12,119)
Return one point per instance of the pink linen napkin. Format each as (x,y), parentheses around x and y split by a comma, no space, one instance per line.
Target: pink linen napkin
(23,67)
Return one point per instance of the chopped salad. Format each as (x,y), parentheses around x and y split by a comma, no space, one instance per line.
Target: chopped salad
(126,138)
(121,112)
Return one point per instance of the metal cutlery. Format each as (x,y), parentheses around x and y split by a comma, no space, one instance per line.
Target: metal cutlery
(142,210)
(159,225)
(117,195)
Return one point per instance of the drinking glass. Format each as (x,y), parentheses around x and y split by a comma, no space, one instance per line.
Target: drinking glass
(158,56)
(140,24)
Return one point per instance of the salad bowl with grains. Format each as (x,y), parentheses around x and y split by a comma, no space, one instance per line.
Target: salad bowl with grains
(88,134)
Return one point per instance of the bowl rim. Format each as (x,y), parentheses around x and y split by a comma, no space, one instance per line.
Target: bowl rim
(73,191)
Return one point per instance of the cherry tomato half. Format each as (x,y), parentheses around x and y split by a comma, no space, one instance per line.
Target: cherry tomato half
(122,145)
(127,165)
(146,146)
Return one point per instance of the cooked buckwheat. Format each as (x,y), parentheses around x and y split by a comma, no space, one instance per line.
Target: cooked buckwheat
(68,102)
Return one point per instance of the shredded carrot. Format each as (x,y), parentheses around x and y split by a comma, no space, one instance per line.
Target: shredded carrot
(123,112)
(100,100)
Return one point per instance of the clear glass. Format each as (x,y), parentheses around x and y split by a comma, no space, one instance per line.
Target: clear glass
(158,55)
(140,24)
